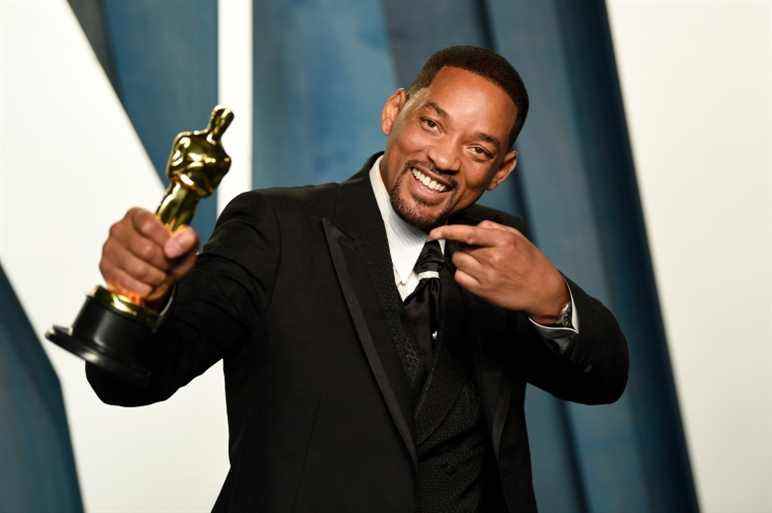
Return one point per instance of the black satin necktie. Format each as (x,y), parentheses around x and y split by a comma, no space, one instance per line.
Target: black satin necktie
(422,307)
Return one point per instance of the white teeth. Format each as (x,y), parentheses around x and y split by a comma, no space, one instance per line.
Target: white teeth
(432,184)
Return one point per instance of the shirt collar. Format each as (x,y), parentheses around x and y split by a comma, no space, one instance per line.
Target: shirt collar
(405,240)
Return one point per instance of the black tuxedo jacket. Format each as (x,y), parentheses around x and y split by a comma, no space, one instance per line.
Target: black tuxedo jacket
(291,292)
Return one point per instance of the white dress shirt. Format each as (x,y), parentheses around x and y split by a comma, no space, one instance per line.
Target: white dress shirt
(406,242)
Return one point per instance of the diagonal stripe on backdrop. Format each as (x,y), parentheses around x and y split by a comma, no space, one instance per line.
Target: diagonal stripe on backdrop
(90,15)
(586,213)
(161,58)
(38,471)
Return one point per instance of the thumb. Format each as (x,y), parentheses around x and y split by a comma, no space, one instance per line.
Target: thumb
(181,242)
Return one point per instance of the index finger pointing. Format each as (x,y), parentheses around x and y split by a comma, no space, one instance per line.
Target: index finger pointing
(470,235)
(491,225)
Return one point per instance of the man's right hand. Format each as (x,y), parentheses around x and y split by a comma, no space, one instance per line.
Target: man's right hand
(142,258)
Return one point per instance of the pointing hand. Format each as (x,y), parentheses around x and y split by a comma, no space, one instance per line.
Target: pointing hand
(501,266)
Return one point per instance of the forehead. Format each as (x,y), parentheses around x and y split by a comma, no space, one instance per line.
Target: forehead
(470,100)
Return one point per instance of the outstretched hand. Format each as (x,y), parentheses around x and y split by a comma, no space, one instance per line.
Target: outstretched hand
(501,266)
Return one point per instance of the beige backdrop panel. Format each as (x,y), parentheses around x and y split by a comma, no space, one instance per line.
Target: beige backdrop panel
(696,82)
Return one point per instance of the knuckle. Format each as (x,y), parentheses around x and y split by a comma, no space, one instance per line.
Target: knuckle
(114,230)
(145,250)
(147,226)
(135,212)
(106,248)
(137,270)
(135,216)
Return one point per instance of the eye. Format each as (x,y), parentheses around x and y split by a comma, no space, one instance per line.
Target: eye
(481,152)
(430,124)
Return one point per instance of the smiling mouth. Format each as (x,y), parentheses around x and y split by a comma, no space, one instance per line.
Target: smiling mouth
(429,182)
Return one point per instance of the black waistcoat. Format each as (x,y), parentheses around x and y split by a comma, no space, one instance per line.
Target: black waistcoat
(449,430)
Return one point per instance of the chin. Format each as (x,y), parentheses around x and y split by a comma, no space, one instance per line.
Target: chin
(424,223)
(414,214)
(422,216)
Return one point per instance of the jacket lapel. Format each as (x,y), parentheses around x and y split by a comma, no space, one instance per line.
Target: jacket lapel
(360,254)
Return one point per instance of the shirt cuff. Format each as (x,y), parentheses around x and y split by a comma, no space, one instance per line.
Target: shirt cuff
(168,305)
(564,333)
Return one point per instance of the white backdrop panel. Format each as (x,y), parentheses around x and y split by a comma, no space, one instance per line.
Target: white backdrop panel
(72,164)
(696,83)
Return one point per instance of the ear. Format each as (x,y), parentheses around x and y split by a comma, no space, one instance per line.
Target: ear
(505,169)
(391,110)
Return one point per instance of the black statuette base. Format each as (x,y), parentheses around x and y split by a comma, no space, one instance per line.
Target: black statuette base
(110,340)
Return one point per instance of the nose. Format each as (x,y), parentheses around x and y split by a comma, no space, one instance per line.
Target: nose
(444,156)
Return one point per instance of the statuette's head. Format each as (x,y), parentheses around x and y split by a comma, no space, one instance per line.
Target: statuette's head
(198,160)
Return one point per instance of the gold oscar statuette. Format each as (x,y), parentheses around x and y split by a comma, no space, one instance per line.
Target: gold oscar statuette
(111,326)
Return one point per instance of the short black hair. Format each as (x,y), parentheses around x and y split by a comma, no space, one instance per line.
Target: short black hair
(483,62)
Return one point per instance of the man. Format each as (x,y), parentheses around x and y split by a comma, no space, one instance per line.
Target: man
(377,335)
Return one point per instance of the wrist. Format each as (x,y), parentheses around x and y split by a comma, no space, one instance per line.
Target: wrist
(553,310)
(562,320)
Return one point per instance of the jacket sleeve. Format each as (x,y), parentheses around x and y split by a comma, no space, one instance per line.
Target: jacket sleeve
(216,309)
(593,368)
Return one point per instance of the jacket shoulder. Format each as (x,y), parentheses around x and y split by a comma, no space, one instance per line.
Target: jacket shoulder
(313,200)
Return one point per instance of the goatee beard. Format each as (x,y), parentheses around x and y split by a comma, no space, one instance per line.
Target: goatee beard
(410,215)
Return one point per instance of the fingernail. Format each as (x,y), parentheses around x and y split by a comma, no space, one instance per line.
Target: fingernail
(173,248)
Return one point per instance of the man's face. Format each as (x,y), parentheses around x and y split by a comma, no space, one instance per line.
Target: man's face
(447,144)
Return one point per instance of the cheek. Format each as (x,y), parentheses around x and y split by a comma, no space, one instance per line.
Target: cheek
(411,138)
(472,185)
(477,179)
